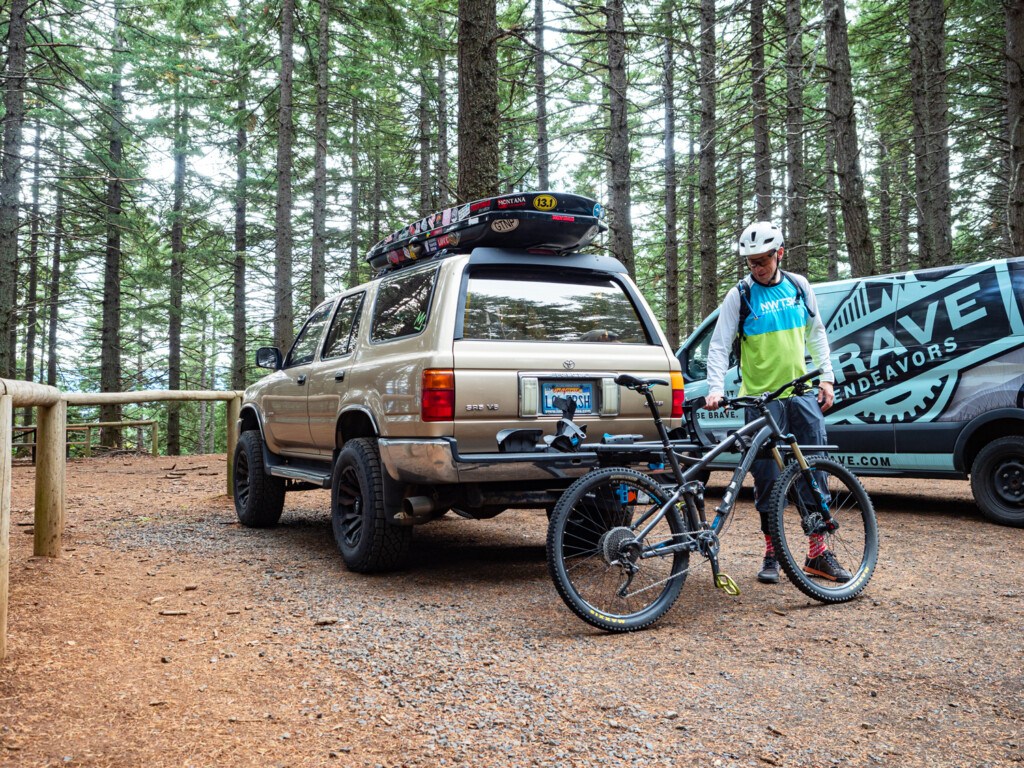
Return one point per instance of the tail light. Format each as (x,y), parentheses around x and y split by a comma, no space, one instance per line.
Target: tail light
(438,397)
(677,395)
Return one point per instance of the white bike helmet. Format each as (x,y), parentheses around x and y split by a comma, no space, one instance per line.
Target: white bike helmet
(760,237)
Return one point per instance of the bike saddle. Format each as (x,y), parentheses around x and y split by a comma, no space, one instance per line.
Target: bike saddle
(632,382)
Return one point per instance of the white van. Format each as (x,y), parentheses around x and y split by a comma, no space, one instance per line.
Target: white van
(929,372)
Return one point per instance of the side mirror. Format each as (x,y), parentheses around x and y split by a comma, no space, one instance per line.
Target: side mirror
(269,357)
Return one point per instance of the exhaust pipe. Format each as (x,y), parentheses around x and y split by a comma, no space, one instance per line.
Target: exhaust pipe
(418,506)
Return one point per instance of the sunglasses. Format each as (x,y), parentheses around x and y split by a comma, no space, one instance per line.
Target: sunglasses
(762,261)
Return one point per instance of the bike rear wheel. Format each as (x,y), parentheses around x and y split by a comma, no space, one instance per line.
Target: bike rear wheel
(603,573)
(796,513)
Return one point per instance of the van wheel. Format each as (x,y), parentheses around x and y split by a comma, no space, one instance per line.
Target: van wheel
(997,480)
(259,497)
(367,541)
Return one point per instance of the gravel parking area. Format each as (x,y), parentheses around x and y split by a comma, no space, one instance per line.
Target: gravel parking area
(168,635)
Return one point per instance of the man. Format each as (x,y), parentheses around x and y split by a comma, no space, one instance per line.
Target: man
(780,324)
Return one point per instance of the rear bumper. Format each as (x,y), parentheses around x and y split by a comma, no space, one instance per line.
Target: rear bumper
(437,461)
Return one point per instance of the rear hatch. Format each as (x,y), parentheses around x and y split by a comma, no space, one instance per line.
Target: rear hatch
(533,328)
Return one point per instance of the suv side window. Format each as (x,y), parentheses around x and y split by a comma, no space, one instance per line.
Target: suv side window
(544,305)
(304,348)
(403,305)
(341,338)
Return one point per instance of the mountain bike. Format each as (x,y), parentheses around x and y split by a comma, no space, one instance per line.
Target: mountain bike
(619,540)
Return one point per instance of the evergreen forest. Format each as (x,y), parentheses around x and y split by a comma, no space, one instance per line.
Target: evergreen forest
(183,180)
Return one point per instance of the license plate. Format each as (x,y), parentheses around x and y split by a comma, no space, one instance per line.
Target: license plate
(581,392)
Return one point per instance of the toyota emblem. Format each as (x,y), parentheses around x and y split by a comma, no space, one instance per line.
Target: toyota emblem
(569,364)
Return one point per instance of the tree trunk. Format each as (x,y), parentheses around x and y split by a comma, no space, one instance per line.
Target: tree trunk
(318,249)
(238,319)
(620,199)
(884,205)
(10,180)
(353,211)
(691,234)
(926,22)
(796,193)
(831,208)
(844,127)
(1015,125)
(671,184)
(203,384)
(426,183)
(540,94)
(238,266)
(479,126)
(110,335)
(708,183)
(32,296)
(284,314)
(53,289)
(759,94)
(739,266)
(177,277)
(903,244)
(444,194)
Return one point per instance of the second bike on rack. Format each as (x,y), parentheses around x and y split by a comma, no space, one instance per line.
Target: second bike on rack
(619,541)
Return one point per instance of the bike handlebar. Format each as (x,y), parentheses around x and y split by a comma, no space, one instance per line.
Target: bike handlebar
(798,385)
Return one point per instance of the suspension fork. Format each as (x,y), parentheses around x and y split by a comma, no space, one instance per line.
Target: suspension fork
(828,522)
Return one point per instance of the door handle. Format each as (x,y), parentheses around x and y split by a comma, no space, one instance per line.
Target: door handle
(301,379)
(339,376)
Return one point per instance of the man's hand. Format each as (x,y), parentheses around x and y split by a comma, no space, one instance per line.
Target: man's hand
(825,394)
(712,402)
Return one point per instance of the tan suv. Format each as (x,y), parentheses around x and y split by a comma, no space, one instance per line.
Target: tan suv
(394,392)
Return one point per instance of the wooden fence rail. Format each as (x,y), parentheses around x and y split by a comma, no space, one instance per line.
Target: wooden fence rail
(88,428)
(51,426)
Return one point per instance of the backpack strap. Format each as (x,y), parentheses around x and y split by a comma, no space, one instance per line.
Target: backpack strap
(745,306)
(745,309)
(799,292)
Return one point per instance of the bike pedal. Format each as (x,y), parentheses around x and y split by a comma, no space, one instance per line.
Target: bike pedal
(726,584)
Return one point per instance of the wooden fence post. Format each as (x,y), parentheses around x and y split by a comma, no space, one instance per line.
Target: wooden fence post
(234,409)
(6,433)
(50,470)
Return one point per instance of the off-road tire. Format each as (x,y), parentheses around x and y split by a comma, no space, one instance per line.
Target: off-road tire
(601,504)
(259,497)
(367,541)
(854,542)
(997,480)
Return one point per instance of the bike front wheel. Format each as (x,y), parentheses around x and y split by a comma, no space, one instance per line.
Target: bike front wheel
(836,507)
(608,576)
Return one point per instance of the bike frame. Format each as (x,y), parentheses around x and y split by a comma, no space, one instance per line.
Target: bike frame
(762,431)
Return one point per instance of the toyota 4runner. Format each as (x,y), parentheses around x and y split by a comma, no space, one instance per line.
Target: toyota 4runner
(394,392)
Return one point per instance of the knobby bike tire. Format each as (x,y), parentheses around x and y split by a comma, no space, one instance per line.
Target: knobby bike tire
(587,530)
(854,544)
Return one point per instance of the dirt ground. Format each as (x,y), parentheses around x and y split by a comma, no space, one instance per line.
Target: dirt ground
(168,635)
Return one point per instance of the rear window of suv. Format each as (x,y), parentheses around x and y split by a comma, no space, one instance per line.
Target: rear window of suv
(403,305)
(548,305)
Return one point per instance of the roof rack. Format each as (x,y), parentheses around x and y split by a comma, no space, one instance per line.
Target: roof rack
(549,222)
